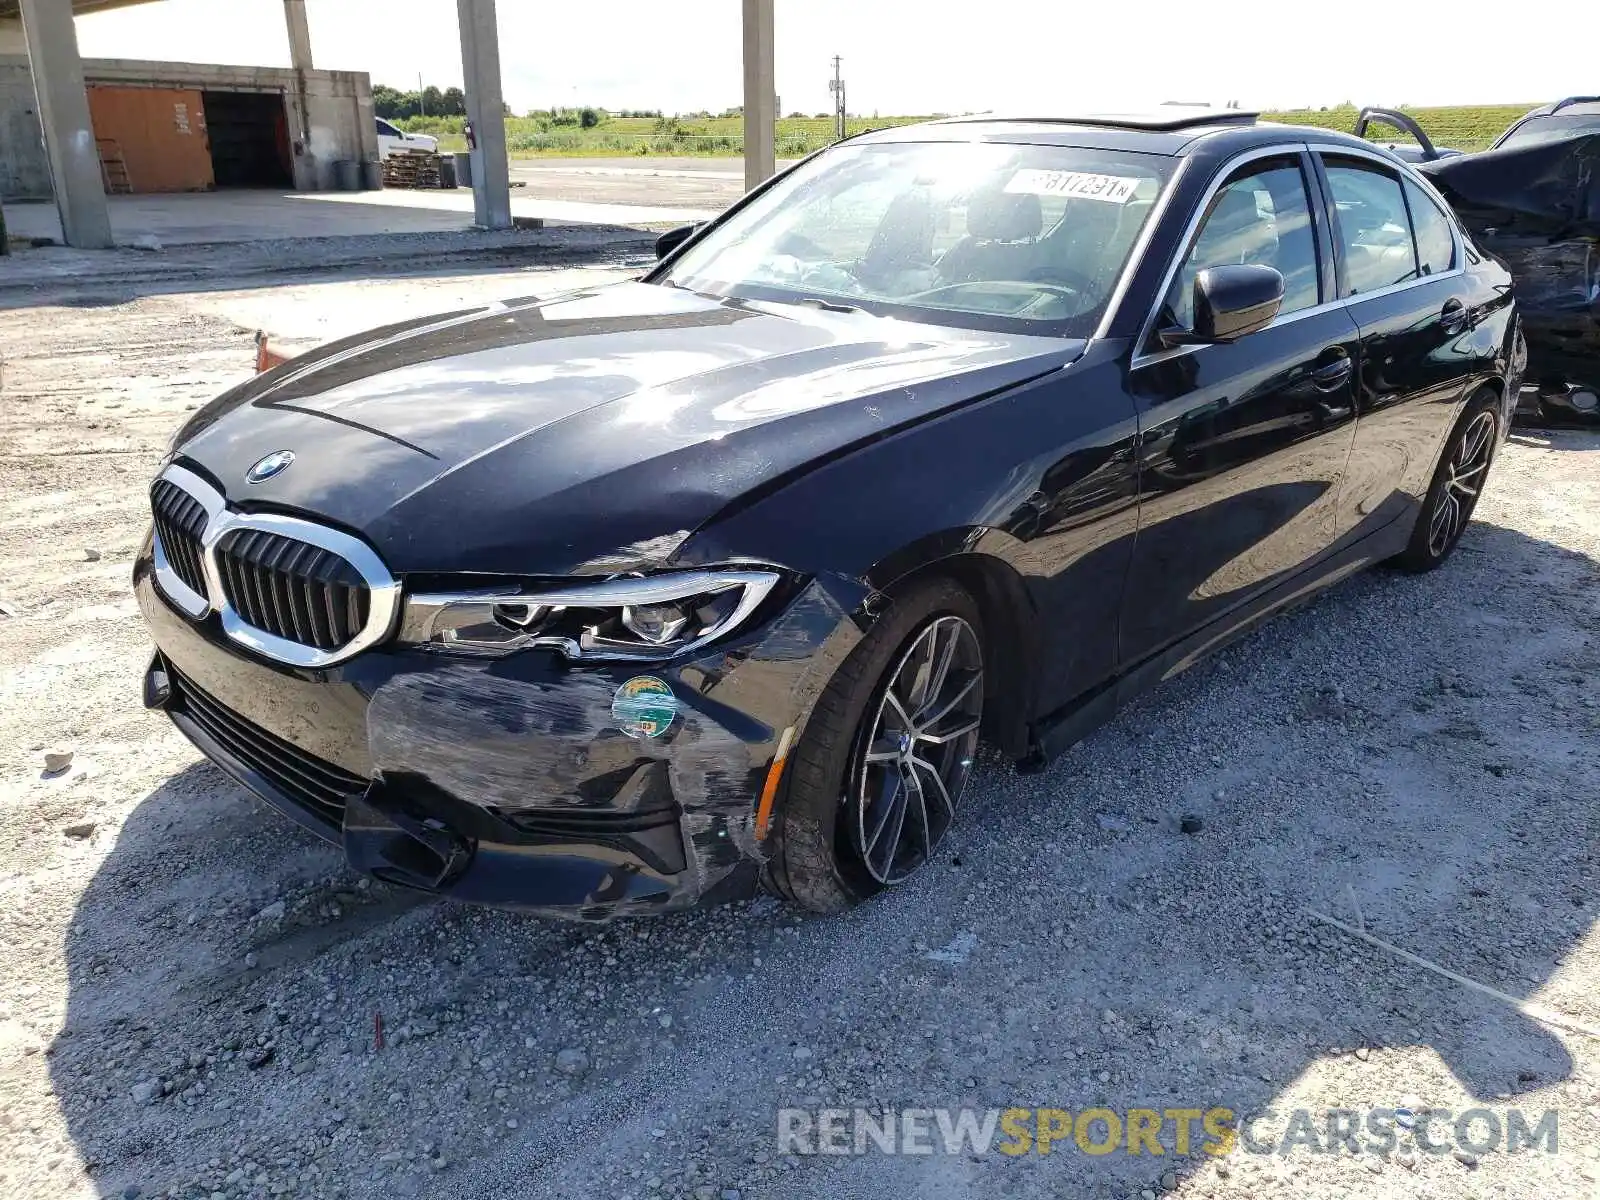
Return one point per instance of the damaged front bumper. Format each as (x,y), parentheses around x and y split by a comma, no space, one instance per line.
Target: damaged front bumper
(508,782)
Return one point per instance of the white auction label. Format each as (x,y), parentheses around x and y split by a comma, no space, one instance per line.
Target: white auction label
(1078,185)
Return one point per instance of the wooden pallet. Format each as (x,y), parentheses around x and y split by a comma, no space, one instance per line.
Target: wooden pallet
(113,168)
(411,169)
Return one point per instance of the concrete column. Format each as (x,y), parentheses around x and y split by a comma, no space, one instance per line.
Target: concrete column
(64,117)
(294,15)
(307,171)
(760,92)
(480,62)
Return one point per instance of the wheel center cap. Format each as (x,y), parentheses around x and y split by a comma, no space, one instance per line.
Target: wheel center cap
(905,745)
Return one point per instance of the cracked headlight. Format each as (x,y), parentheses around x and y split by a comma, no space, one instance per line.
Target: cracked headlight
(642,617)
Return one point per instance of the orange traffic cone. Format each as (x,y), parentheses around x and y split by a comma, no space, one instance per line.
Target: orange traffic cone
(267,356)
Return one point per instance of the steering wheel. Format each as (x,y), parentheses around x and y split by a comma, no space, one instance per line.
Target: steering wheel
(1074,281)
(801,247)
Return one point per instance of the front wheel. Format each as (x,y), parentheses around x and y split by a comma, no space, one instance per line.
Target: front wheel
(1457,484)
(875,782)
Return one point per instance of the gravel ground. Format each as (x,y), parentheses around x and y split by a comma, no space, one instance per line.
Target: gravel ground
(193,988)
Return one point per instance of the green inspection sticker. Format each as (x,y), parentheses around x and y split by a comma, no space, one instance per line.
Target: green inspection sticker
(644,707)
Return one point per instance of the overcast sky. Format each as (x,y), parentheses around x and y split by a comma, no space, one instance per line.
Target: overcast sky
(915,58)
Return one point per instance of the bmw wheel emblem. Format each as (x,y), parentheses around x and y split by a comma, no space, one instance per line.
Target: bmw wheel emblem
(275,463)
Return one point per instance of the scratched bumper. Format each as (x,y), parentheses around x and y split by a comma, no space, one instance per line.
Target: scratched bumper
(507,782)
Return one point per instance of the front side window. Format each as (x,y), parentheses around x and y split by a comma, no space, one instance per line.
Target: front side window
(1373,226)
(387,130)
(1260,216)
(979,234)
(1436,246)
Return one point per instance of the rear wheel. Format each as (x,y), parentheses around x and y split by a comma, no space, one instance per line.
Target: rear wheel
(1457,484)
(874,785)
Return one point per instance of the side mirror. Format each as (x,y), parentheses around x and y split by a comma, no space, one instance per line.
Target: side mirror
(1230,302)
(673,238)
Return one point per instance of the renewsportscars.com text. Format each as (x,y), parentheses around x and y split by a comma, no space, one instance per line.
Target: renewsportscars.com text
(1214,1131)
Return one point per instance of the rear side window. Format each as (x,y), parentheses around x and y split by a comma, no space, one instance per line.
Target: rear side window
(1436,247)
(1373,226)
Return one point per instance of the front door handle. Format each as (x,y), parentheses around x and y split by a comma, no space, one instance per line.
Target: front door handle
(1453,316)
(1332,374)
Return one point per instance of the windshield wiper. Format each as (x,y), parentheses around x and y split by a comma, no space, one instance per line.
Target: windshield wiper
(828,305)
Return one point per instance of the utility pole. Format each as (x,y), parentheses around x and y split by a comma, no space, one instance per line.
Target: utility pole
(836,86)
(422,101)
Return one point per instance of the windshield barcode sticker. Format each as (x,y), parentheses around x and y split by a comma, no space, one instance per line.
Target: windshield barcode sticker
(1079,185)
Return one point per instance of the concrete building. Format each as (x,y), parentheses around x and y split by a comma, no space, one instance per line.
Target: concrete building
(174,127)
(325,114)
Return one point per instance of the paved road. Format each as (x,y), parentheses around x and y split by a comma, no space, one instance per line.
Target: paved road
(656,192)
(679,183)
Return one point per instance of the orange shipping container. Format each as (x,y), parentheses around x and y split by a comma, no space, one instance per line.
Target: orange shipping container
(160,134)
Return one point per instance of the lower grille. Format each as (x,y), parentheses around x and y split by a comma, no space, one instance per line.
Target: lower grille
(292,589)
(180,520)
(313,783)
(575,823)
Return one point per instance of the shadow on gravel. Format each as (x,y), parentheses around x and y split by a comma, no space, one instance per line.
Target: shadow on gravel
(1555,437)
(1414,747)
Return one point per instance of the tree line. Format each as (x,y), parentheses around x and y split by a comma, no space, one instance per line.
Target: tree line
(394,105)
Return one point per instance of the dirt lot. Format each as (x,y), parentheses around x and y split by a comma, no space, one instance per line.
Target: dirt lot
(192,986)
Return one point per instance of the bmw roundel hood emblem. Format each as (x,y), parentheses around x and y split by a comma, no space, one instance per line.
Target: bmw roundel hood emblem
(273,464)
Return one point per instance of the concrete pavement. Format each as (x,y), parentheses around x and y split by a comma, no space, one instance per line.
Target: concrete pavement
(580,191)
(250,216)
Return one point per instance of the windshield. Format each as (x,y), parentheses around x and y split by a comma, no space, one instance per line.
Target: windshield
(981,234)
(1553,128)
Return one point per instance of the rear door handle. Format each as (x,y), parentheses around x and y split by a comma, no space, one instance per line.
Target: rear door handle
(1453,316)
(1334,373)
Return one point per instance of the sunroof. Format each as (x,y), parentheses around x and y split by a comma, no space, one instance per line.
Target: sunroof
(1172,116)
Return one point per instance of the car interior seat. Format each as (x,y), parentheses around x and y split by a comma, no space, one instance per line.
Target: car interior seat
(1084,246)
(903,240)
(1001,240)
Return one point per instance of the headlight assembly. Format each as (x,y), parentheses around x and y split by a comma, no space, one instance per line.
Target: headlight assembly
(648,617)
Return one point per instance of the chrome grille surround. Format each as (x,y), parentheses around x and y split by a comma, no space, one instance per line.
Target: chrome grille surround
(383,589)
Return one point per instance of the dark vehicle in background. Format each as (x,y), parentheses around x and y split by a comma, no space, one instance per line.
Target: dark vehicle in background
(1552,122)
(627,600)
(1533,200)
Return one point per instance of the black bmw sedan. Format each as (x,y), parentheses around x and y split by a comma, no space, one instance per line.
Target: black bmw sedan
(641,597)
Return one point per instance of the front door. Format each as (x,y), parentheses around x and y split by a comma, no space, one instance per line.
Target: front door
(1243,444)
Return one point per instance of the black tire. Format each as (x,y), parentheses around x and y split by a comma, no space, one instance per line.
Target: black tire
(1458,481)
(815,860)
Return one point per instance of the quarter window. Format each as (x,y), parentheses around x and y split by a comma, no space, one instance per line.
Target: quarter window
(1436,247)
(1372,227)
(1259,216)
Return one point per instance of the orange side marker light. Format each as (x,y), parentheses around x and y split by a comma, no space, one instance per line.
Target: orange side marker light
(769,791)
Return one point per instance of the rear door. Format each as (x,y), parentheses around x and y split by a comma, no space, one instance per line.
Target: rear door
(1242,445)
(1400,268)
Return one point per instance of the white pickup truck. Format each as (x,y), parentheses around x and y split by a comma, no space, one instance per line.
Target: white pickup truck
(392,139)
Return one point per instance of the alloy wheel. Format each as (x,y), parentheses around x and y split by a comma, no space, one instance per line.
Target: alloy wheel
(917,750)
(1463,480)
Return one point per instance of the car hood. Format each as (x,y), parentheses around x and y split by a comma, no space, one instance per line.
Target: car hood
(541,437)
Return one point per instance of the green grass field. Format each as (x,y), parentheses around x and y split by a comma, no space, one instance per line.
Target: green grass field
(1463,128)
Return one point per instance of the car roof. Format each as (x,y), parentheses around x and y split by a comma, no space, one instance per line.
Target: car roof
(1577,106)
(1174,131)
